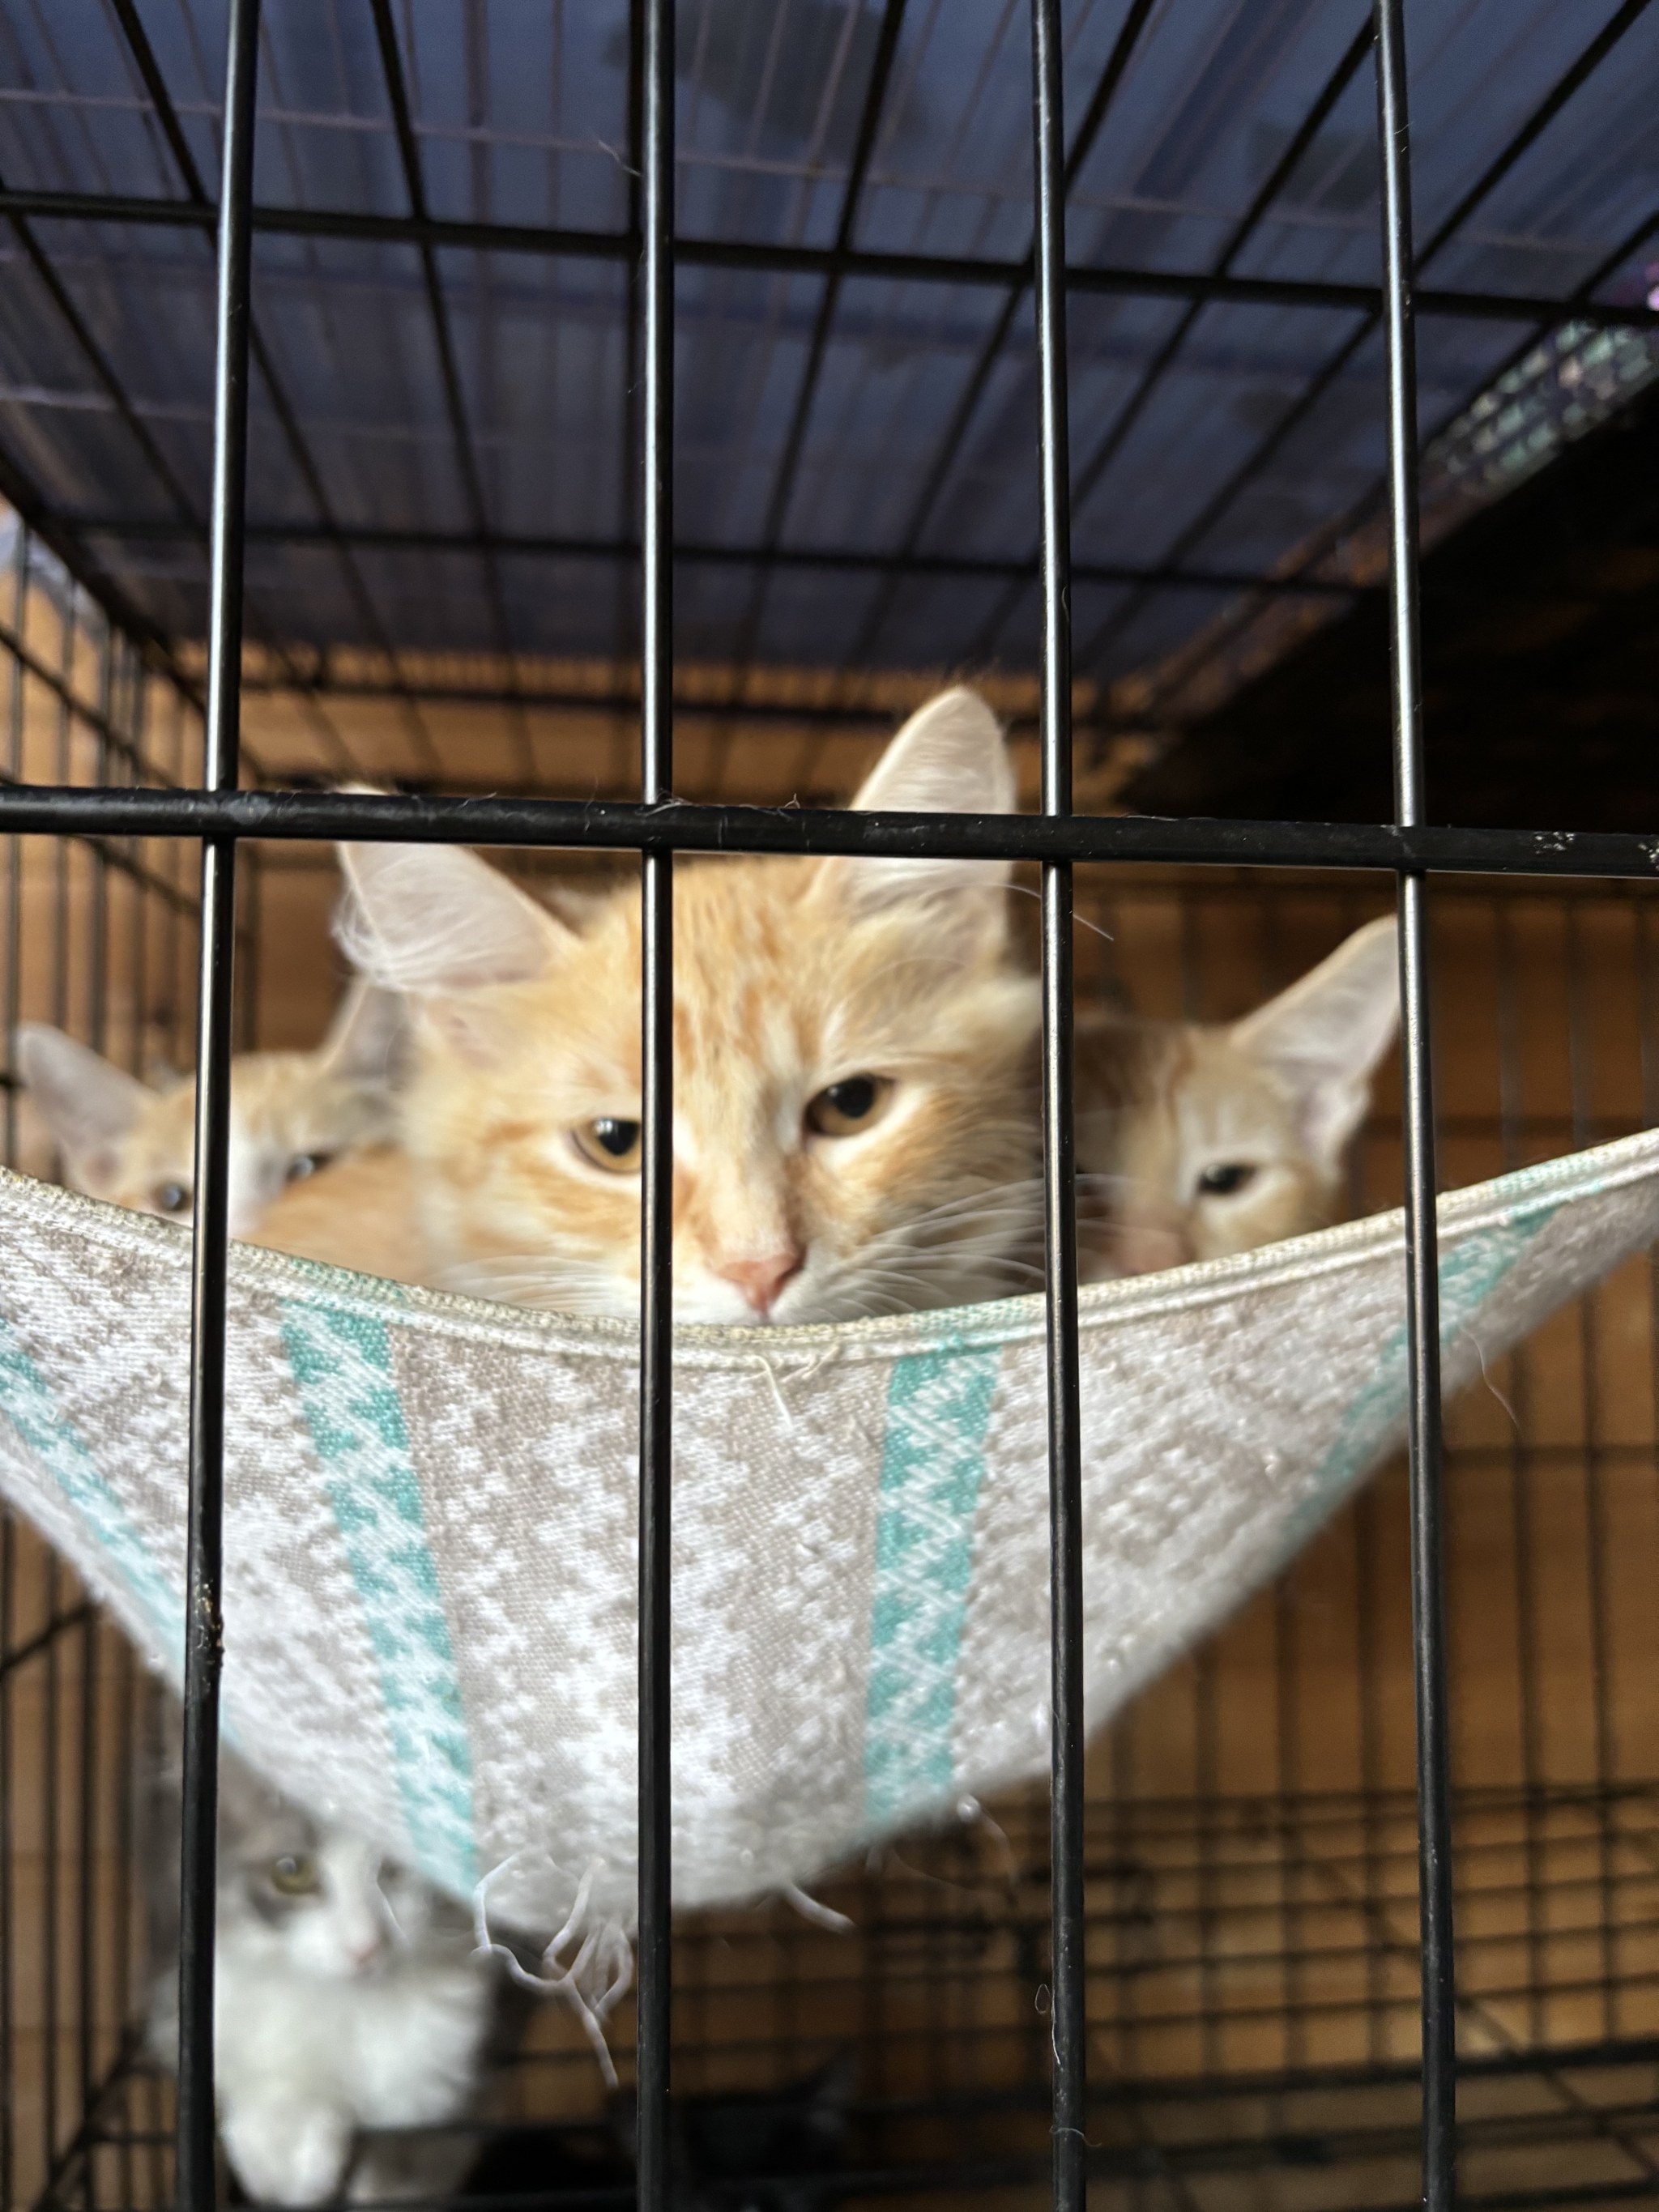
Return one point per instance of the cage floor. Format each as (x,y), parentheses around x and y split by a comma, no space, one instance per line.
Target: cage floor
(1253,2009)
(1576,2129)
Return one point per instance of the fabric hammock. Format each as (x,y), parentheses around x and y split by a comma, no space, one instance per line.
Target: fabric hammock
(430,1503)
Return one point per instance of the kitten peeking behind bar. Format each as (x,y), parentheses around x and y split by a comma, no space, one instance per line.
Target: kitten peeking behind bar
(853,1055)
(348,1994)
(291,1113)
(1198,1140)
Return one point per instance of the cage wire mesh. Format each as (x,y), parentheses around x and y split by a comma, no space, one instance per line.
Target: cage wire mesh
(1253,1981)
(441,593)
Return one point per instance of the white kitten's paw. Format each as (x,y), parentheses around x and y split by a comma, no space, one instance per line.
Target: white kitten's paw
(286,2151)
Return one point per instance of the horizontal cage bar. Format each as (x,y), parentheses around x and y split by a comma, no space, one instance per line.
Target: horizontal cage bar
(615,826)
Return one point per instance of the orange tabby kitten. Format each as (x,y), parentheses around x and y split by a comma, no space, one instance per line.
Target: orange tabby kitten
(853,1044)
(290,1112)
(1212,1138)
(904,1181)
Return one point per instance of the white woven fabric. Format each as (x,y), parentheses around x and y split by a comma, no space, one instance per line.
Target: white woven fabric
(430,1502)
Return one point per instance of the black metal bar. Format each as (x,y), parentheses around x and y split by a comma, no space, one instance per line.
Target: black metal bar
(677,826)
(1551,104)
(197,2184)
(1422,1242)
(21,491)
(655,1949)
(783,482)
(1598,1581)
(1537,124)
(96,718)
(1335,85)
(1224,633)
(1151,376)
(103,369)
(626,634)
(1069,2021)
(86,1865)
(783,485)
(144,56)
(769,258)
(8,1870)
(46,1930)
(967,406)
(99,362)
(13,901)
(467,460)
(849,559)
(1522,1503)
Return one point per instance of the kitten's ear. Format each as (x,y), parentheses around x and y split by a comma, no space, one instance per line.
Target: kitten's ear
(949,758)
(439,924)
(1324,1036)
(434,919)
(368,1038)
(90,1106)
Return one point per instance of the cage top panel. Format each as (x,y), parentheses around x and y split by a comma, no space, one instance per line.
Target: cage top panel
(444,400)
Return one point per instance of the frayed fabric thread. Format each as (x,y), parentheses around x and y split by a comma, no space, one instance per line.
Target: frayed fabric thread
(592,1982)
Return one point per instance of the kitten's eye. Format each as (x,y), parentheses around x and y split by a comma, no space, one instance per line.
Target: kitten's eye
(845,1109)
(609,1144)
(295,1876)
(1226,1178)
(307,1163)
(172,1197)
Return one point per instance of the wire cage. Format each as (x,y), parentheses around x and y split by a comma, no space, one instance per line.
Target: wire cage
(1363,1894)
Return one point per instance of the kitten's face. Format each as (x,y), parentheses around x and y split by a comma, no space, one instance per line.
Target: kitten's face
(288,1118)
(313,1900)
(1203,1154)
(289,1114)
(849,1104)
(853,1131)
(1213,1140)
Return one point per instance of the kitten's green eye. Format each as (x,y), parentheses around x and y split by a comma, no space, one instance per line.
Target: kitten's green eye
(846,1108)
(1225,1179)
(609,1144)
(172,1197)
(295,1876)
(307,1163)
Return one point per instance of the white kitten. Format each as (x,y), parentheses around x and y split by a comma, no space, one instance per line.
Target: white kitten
(348,1996)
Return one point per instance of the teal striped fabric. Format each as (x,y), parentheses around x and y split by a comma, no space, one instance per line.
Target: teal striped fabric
(939,1411)
(28,1403)
(341,1362)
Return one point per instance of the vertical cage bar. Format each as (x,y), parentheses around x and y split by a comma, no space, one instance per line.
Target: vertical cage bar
(203,1635)
(47,1929)
(1422,1254)
(86,1786)
(657,1171)
(1058,1165)
(14,984)
(9,2052)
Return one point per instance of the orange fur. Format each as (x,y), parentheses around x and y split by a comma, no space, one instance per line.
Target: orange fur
(789,976)
(1276,1096)
(359,1213)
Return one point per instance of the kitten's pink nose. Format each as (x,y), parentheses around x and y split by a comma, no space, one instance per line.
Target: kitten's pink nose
(364,1955)
(762,1281)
